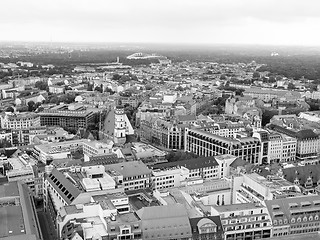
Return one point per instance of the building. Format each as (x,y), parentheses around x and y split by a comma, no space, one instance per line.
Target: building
(94,148)
(308,142)
(296,215)
(223,129)
(254,188)
(46,153)
(207,144)
(276,147)
(19,220)
(196,168)
(106,216)
(306,177)
(162,132)
(21,170)
(244,221)
(208,227)
(165,222)
(132,175)
(56,89)
(76,185)
(19,120)
(67,117)
(117,125)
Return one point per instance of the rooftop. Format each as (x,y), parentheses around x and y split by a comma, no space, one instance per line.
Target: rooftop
(129,169)
(195,163)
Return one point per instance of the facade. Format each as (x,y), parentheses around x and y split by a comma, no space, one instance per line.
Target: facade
(276,147)
(202,167)
(206,144)
(159,131)
(94,148)
(132,175)
(206,228)
(223,129)
(46,153)
(67,119)
(244,221)
(254,188)
(308,142)
(296,215)
(19,120)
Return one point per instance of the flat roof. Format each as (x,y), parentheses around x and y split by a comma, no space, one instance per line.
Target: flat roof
(129,169)
(236,207)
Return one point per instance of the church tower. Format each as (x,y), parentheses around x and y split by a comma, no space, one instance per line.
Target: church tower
(119,126)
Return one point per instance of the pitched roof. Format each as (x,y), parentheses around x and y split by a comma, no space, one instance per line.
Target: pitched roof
(58,181)
(194,163)
(164,222)
(302,172)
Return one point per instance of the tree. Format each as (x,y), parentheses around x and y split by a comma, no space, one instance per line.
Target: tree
(5,143)
(223,77)
(98,89)
(31,106)
(10,109)
(90,87)
(256,75)
(42,85)
(291,86)
(116,77)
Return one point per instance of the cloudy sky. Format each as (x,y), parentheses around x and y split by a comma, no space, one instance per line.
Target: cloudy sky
(285,22)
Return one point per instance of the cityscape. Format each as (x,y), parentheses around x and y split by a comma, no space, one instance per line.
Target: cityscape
(133,120)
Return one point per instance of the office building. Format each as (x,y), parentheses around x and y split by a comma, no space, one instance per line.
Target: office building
(207,144)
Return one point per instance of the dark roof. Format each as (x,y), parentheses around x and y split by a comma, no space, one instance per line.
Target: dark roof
(194,163)
(307,133)
(239,162)
(61,179)
(302,134)
(183,118)
(302,172)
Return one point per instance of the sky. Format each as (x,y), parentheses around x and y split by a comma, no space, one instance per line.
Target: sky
(266,22)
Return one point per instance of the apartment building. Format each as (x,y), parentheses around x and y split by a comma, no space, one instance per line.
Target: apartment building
(295,215)
(19,120)
(207,144)
(244,221)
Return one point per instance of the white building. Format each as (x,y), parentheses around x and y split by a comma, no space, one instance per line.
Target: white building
(93,148)
(19,120)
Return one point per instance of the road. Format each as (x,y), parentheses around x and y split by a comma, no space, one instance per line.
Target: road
(47,227)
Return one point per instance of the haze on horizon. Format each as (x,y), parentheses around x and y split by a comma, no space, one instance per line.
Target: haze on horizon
(266,22)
